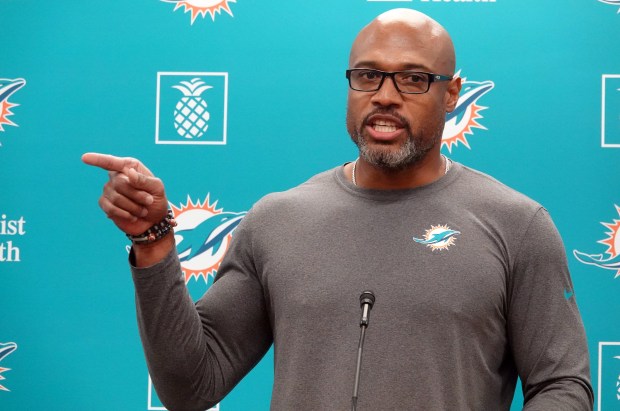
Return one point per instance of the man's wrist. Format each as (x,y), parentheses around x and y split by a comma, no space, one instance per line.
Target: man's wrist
(156,232)
(148,254)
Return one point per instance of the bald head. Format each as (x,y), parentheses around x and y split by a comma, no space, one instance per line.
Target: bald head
(407,16)
(401,34)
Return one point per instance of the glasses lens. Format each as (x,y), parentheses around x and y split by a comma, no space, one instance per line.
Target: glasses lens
(412,81)
(365,80)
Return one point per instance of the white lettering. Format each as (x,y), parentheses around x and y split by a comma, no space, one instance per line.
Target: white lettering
(12,227)
(9,253)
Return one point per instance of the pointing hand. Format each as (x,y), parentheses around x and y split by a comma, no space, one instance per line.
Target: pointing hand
(133,198)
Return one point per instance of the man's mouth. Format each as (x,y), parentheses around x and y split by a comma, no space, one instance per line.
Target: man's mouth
(384,126)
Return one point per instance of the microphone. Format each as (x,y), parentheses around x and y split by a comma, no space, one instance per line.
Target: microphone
(367,300)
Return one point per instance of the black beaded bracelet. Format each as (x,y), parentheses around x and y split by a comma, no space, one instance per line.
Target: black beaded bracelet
(156,232)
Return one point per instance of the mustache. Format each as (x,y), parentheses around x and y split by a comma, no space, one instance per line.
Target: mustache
(389,112)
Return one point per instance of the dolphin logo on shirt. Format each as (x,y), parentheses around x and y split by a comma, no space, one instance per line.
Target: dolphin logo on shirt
(208,235)
(437,237)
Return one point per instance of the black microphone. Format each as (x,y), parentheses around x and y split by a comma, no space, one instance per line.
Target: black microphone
(367,300)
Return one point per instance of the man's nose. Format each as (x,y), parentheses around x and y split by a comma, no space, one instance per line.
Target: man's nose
(387,94)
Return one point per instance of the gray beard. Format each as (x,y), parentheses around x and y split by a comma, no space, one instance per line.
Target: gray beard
(407,154)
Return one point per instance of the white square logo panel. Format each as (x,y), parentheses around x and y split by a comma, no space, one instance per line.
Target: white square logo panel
(192,108)
(610,116)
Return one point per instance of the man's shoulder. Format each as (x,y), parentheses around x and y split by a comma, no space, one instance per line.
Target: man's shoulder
(307,193)
(480,187)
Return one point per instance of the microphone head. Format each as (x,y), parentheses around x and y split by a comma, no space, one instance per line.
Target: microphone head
(367,297)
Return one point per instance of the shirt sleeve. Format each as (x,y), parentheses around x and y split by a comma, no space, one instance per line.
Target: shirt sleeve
(196,353)
(545,329)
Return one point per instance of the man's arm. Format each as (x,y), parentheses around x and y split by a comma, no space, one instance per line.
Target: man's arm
(195,353)
(544,325)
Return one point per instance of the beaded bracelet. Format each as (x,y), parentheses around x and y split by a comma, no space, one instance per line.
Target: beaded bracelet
(156,232)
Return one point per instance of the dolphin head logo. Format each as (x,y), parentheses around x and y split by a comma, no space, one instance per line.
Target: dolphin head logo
(207,236)
(6,349)
(463,118)
(8,87)
(470,93)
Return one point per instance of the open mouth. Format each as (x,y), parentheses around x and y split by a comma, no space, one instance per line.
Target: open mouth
(384,126)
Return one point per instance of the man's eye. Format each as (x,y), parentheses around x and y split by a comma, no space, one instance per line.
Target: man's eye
(414,78)
(369,75)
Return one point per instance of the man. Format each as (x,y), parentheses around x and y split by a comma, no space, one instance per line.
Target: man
(469,275)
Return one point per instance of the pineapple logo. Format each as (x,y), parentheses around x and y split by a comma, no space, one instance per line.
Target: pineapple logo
(183,115)
(190,113)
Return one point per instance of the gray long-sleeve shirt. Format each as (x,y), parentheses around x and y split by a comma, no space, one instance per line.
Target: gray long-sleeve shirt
(471,284)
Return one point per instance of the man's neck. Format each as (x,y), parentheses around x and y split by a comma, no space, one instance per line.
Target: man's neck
(430,168)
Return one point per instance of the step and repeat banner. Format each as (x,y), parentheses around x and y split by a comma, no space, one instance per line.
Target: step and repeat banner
(228,100)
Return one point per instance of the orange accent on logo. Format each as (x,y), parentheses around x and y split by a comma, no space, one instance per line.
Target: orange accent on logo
(5,112)
(613,241)
(459,135)
(187,216)
(442,245)
(202,7)
(2,378)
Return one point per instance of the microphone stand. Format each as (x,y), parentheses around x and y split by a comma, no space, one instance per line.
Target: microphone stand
(358,367)
(367,299)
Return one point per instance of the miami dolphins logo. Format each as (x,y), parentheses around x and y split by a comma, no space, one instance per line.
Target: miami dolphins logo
(465,116)
(202,236)
(7,88)
(439,237)
(202,7)
(5,350)
(611,259)
(612,2)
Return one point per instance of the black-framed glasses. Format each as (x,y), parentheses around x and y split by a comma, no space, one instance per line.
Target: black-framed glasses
(408,82)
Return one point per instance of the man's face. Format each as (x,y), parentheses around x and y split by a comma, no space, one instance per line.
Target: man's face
(394,130)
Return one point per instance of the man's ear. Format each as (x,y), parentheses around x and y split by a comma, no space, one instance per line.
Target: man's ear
(452,94)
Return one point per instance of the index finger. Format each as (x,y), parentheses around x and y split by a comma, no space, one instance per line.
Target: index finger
(108,162)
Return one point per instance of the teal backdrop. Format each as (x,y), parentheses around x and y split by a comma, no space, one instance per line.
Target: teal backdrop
(259,92)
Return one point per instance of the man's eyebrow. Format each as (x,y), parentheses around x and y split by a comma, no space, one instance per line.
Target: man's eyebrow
(406,67)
